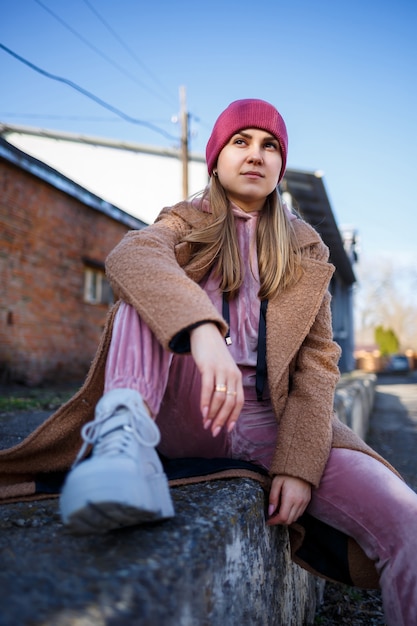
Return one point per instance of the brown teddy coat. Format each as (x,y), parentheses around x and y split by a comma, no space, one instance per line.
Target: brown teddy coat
(301,354)
(151,269)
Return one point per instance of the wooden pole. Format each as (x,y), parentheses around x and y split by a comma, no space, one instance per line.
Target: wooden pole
(184,142)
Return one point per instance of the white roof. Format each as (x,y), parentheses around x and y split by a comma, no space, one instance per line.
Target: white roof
(140,180)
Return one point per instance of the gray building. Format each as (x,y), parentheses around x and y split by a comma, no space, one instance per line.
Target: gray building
(307,194)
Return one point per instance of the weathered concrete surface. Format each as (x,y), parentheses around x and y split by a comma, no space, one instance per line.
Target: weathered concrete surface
(216,563)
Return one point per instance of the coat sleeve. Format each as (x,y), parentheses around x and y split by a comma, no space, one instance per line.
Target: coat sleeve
(305,426)
(144,271)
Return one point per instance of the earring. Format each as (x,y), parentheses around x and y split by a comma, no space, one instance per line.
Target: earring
(214,172)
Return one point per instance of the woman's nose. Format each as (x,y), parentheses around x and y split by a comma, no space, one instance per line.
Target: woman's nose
(255,157)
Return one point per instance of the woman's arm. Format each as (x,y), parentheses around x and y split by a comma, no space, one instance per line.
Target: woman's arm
(144,271)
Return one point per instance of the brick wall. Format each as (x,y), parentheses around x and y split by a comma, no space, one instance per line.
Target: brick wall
(47,331)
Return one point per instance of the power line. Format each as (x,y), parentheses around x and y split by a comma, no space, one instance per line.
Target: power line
(126,47)
(53,116)
(90,95)
(103,55)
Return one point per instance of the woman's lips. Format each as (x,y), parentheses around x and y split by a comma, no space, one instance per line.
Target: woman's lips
(253,174)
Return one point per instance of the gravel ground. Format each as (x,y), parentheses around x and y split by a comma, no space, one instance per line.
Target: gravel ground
(353,607)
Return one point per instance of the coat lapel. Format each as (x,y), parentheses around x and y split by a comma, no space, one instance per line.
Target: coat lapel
(291,314)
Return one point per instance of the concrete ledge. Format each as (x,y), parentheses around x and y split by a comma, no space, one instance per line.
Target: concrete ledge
(216,563)
(354,400)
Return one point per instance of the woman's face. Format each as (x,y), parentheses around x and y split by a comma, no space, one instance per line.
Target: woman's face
(248,168)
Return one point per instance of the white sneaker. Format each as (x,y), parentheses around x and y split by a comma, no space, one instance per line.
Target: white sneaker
(122,483)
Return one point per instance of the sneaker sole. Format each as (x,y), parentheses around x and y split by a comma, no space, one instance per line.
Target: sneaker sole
(98,501)
(102,517)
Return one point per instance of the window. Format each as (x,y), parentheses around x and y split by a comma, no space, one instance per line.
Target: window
(97,289)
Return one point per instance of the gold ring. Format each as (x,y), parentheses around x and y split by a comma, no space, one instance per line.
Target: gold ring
(231,393)
(221,388)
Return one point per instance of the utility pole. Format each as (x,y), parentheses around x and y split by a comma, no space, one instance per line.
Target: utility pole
(184,142)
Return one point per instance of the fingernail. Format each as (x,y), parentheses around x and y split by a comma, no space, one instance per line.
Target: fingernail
(271,509)
(216,431)
(206,424)
(231,427)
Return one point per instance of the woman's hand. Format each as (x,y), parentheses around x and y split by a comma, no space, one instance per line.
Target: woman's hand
(221,380)
(288,499)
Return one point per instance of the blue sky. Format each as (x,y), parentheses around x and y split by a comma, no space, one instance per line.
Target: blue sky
(343,75)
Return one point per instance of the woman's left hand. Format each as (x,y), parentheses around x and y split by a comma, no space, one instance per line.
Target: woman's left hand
(288,499)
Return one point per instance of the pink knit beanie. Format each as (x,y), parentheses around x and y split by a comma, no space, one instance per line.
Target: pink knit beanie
(246,114)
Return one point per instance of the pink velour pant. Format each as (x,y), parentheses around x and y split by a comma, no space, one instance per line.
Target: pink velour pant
(357,494)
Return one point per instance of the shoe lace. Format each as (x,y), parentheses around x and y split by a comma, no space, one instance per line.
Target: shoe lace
(119,439)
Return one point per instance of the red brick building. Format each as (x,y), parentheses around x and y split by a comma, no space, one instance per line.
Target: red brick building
(54,238)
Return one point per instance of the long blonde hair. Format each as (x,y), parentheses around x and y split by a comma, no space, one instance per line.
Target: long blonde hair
(279,255)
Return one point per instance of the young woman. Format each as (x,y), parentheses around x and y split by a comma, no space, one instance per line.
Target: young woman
(220,347)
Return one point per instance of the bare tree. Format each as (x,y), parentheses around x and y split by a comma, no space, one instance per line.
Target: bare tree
(386,295)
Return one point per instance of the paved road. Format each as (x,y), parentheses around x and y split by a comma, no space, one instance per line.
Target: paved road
(393,424)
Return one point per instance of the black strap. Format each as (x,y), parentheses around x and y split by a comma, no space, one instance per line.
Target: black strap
(261,369)
(226,316)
